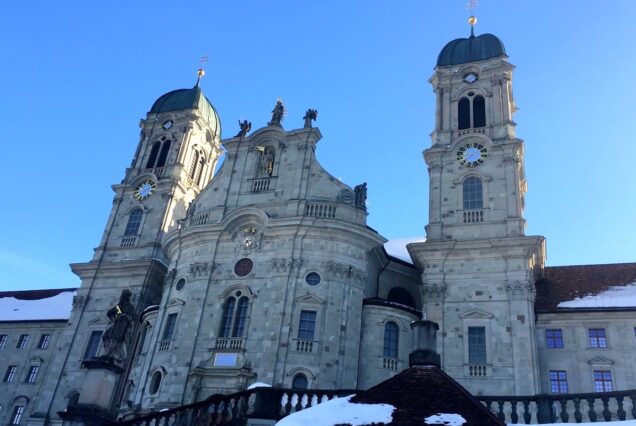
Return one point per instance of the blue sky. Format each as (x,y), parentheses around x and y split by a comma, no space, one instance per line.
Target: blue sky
(76,77)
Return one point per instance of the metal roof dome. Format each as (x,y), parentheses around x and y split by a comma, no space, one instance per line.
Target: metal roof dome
(186,99)
(472,49)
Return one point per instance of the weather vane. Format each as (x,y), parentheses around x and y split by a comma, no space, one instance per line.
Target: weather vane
(472,20)
(201,71)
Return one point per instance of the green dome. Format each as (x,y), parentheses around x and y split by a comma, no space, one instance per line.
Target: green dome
(472,49)
(181,99)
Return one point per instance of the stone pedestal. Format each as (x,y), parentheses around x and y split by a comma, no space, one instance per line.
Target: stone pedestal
(99,385)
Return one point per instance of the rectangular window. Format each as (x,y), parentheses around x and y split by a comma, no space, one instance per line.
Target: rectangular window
(23,341)
(168,331)
(33,374)
(597,338)
(554,338)
(18,411)
(558,381)
(94,341)
(476,345)
(44,341)
(307,325)
(603,381)
(10,374)
(3,340)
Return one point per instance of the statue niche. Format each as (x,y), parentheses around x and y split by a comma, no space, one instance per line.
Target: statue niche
(266,158)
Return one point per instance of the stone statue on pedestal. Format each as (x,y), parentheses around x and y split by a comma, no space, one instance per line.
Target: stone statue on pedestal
(116,336)
(277,113)
(245,126)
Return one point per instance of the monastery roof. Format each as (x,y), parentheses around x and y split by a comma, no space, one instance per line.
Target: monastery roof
(597,287)
(37,305)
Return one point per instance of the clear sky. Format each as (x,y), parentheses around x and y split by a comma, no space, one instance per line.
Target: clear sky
(76,77)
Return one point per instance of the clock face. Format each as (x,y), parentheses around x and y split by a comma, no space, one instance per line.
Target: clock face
(471,154)
(168,125)
(471,77)
(145,190)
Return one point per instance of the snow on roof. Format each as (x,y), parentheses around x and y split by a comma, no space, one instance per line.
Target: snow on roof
(614,297)
(445,419)
(258,385)
(26,308)
(340,411)
(397,247)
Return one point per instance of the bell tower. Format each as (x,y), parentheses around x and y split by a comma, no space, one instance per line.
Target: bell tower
(177,153)
(478,268)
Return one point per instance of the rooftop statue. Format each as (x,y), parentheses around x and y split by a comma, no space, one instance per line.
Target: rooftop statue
(245,126)
(361,196)
(310,116)
(277,113)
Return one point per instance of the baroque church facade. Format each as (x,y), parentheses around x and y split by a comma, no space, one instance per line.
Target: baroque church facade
(266,271)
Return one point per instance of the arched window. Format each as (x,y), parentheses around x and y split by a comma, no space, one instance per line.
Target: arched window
(199,171)
(300,381)
(163,156)
(473,193)
(391,340)
(234,318)
(153,155)
(463,114)
(479,111)
(193,163)
(134,221)
(401,296)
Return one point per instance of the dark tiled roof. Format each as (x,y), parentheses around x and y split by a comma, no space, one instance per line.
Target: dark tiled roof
(421,392)
(472,49)
(35,294)
(563,283)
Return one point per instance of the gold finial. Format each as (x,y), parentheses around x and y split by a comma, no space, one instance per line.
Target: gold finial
(201,70)
(472,20)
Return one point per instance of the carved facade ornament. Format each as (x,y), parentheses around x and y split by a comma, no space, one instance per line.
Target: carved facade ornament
(434,291)
(200,268)
(346,196)
(247,240)
(284,265)
(340,271)
(521,291)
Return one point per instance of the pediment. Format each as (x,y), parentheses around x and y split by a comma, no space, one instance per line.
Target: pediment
(176,302)
(476,314)
(98,321)
(36,360)
(600,360)
(310,298)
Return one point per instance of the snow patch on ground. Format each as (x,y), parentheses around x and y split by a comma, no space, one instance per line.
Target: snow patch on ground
(397,247)
(445,419)
(614,297)
(258,385)
(49,308)
(340,411)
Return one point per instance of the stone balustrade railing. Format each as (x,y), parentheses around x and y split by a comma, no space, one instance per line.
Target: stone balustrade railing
(271,404)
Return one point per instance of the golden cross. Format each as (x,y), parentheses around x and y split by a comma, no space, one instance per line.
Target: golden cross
(201,71)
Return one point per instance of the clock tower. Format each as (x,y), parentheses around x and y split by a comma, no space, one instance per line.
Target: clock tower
(177,153)
(478,267)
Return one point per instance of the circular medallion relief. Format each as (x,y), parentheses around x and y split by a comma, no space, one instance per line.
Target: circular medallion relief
(243,267)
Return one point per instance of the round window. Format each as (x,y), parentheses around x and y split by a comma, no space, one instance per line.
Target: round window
(155,382)
(312,278)
(243,267)
(180,284)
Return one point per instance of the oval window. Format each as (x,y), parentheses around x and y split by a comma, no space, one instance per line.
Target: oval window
(312,279)
(243,267)
(155,382)
(180,284)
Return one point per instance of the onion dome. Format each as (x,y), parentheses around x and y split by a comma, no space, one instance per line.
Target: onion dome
(471,49)
(182,99)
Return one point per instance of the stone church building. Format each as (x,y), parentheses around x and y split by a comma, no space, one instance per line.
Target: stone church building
(206,281)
